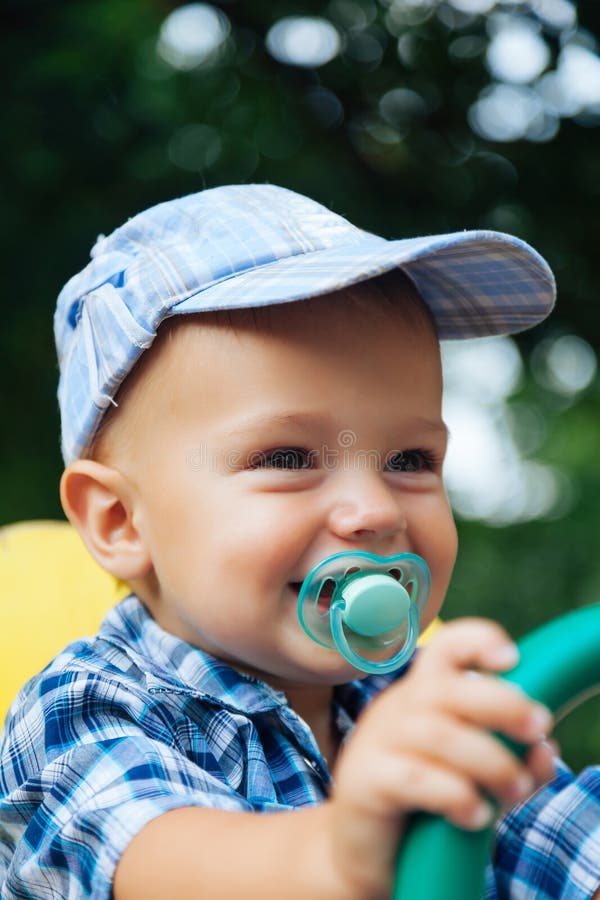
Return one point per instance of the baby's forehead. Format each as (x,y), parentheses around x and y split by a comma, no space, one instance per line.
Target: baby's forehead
(391,297)
(279,347)
(317,355)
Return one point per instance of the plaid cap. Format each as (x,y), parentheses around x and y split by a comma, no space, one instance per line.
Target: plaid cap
(255,245)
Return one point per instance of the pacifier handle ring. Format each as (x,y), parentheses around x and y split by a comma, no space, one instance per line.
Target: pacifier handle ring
(394,662)
(560,662)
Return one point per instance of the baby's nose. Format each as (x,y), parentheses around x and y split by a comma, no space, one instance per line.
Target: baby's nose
(366,507)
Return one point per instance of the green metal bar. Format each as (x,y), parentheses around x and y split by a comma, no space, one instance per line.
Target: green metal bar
(559,662)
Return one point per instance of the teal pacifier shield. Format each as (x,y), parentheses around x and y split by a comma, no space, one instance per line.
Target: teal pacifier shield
(366,607)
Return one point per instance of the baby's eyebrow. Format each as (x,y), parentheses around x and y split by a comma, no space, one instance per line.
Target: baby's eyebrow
(260,421)
(309,420)
(436,425)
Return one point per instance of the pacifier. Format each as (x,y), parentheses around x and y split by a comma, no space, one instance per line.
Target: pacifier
(357,601)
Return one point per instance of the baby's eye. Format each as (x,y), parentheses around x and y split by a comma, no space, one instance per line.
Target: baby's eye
(409,461)
(284,458)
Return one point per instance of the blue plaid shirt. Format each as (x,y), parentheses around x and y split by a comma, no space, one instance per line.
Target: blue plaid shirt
(134,722)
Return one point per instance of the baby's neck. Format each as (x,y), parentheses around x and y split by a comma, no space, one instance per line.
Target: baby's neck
(314,705)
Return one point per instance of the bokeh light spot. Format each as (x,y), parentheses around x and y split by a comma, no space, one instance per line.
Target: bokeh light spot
(402,104)
(488,368)
(364,49)
(579,70)
(473,6)
(558,14)
(507,113)
(307,41)
(566,365)
(517,53)
(402,13)
(468,46)
(487,476)
(352,14)
(195,147)
(191,35)
(325,106)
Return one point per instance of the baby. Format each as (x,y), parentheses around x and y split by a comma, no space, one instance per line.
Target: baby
(249,386)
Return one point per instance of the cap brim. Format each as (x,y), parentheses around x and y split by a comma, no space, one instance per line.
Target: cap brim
(475,283)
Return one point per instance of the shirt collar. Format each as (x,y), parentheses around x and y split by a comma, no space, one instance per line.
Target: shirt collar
(171,665)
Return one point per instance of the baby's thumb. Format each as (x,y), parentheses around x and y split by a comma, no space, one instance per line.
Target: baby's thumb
(469,644)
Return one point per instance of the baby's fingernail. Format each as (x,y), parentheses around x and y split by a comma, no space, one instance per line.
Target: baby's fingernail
(481,816)
(504,657)
(552,746)
(521,788)
(539,722)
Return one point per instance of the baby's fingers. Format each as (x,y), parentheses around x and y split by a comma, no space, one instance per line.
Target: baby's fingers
(472,753)
(494,704)
(541,761)
(415,783)
(469,644)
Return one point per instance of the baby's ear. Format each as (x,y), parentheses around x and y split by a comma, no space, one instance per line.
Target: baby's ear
(99,502)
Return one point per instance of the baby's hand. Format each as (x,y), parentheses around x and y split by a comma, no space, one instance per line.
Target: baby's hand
(425,743)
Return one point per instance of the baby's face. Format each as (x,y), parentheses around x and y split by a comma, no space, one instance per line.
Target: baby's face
(264,450)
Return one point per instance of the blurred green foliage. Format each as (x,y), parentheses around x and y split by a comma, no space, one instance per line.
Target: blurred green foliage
(525,574)
(97,126)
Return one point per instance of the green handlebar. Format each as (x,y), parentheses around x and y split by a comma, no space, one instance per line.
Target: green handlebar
(559,663)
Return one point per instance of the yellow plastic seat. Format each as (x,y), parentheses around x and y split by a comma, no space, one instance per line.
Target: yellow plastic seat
(51,592)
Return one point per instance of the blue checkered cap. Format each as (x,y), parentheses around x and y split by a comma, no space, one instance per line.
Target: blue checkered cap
(255,245)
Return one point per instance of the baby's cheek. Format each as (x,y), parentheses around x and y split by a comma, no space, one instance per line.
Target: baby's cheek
(266,543)
(440,540)
(440,554)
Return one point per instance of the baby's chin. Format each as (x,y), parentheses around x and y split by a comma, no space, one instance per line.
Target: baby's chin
(306,665)
(326,669)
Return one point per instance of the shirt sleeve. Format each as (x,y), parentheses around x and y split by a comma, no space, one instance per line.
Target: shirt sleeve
(84,766)
(549,847)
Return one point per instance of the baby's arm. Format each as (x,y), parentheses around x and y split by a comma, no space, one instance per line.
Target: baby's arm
(423,744)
